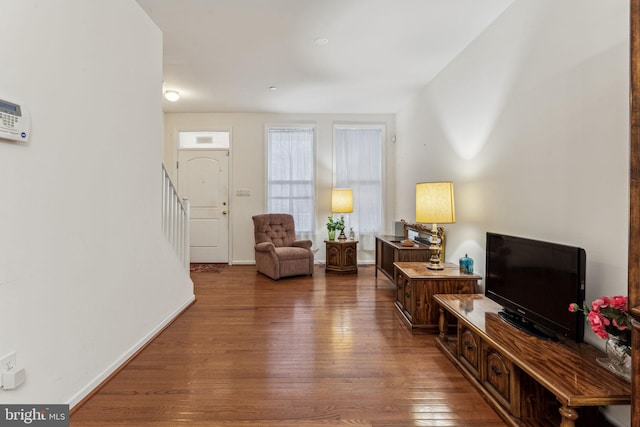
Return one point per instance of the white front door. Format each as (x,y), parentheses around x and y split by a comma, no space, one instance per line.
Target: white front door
(203,179)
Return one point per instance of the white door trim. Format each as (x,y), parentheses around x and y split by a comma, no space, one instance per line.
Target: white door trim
(174,168)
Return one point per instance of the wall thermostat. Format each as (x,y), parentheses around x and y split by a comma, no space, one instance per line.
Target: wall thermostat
(14,122)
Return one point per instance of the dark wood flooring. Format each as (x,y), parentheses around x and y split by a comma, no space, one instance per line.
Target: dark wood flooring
(326,350)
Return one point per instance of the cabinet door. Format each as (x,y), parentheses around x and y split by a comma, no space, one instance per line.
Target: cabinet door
(350,256)
(333,255)
(469,345)
(501,379)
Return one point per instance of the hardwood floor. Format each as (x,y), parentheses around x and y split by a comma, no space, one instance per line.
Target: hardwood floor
(326,350)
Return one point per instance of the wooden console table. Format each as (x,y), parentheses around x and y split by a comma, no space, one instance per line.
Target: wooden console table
(389,250)
(528,380)
(416,285)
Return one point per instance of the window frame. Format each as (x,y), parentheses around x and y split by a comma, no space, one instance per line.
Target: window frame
(300,230)
(382,127)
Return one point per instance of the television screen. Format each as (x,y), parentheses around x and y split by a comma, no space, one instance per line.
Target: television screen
(535,282)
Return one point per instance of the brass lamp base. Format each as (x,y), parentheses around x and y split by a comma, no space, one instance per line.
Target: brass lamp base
(342,237)
(434,248)
(435,266)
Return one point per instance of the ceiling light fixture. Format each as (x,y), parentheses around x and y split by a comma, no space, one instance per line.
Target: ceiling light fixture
(321,41)
(172,95)
(274,88)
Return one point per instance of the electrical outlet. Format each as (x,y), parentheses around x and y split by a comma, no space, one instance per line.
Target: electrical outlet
(8,362)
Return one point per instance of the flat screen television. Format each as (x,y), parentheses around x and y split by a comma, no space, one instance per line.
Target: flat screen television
(534,282)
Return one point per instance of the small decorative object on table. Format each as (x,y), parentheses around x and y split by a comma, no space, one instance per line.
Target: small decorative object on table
(466,265)
(333,225)
(610,320)
(618,357)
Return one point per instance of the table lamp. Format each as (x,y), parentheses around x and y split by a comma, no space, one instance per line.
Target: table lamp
(434,205)
(342,203)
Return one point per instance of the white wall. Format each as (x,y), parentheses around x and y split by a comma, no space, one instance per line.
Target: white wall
(85,273)
(531,123)
(248,171)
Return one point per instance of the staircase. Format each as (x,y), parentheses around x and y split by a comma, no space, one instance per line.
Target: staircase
(175,219)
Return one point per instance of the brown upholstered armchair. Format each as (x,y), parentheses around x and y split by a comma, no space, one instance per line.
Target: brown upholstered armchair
(278,253)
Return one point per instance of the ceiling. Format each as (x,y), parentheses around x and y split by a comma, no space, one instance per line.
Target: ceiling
(224,55)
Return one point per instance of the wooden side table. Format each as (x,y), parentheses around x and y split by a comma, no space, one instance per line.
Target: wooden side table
(416,285)
(342,256)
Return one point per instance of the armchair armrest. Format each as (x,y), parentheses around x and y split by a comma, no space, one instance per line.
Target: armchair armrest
(265,247)
(306,244)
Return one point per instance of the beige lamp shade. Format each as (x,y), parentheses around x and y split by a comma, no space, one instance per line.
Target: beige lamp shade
(342,200)
(434,203)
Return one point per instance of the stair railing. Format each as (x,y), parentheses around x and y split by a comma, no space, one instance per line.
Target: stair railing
(175,219)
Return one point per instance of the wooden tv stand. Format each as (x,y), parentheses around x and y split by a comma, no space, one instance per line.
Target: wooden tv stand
(528,380)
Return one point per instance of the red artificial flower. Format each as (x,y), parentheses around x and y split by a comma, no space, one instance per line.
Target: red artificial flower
(598,328)
(607,316)
(573,307)
(622,327)
(620,302)
(600,303)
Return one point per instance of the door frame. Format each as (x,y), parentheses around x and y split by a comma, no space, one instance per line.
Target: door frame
(174,168)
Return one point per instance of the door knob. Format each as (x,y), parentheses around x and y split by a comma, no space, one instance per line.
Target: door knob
(224,212)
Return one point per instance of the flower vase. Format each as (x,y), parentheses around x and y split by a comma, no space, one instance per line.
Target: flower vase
(618,357)
(332,235)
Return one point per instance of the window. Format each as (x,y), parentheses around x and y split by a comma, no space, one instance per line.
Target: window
(290,175)
(358,165)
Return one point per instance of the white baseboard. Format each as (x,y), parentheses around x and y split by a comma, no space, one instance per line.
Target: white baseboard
(317,262)
(241,262)
(98,381)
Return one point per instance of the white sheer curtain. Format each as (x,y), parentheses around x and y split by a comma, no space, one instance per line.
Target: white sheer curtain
(358,160)
(290,176)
